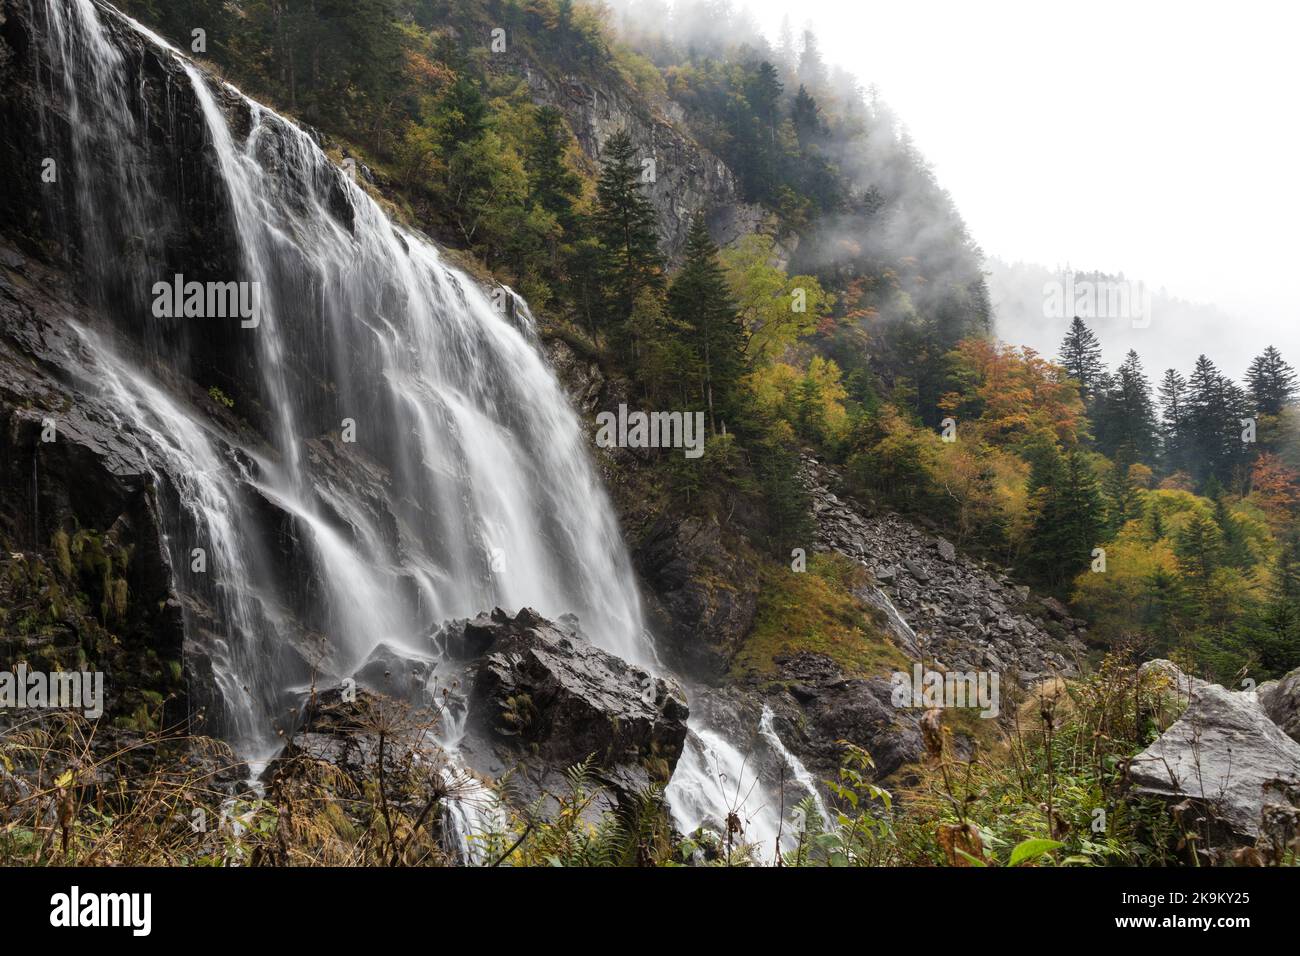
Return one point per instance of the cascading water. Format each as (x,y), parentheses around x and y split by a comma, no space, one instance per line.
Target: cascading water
(467,483)
(767,727)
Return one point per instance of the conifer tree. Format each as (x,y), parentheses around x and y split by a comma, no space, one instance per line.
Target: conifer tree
(700,303)
(1080,355)
(1215,409)
(1173,419)
(1126,422)
(806,116)
(1236,550)
(552,184)
(1123,500)
(1272,382)
(1279,639)
(1069,515)
(1198,547)
(625,226)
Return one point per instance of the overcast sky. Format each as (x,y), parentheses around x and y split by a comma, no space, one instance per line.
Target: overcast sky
(1151,137)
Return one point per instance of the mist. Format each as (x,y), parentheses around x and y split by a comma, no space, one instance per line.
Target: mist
(1171,334)
(1146,140)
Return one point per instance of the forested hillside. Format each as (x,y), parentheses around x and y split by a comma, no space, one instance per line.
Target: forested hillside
(704,220)
(852,321)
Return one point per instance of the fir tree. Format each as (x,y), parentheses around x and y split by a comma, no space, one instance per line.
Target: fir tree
(1272,382)
(1080,355)
(1123,499)
(1234,548)
(806,116)
(1069,516)
(1173,419)
(625,226)
(462,115)
(1126,421)
(1198,546)
(763,91)
(1279,639)
(1213,424)
(552,184)
(700,302)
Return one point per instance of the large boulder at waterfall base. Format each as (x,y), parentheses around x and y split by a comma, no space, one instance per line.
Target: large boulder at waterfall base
(1225,758)
(549,699)
(540,697)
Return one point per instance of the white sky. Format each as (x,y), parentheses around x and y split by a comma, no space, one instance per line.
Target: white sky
(1152,137)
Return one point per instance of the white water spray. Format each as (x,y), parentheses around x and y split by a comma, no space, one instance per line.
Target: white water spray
(488,497)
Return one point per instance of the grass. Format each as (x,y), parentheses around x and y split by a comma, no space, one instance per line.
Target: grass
(815,611)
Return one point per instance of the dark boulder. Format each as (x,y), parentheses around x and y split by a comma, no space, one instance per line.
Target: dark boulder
(547,699)
(833,708)
(1057,610)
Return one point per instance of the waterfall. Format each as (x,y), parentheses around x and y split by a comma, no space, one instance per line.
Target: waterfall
(466,484)
(902,632)
(715,783)
(767,727)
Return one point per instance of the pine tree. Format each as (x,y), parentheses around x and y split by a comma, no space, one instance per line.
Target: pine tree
(1126,421)
(806,116)
(1069,515)
(1173,419)
(700,302)
(1123,499)
(1080,355)
(552,184)
(1198,547)
(625,226)
(1272,382)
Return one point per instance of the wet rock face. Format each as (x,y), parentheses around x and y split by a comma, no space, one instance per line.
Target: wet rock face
(546,698)
(521,698)
(706,595)
(159,209)
(1224,755)
(964,615)
(86,576)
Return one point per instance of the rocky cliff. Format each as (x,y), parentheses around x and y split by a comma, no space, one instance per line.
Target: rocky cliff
(687,179)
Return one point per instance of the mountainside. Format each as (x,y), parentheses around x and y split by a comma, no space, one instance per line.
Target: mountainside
(305,447)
